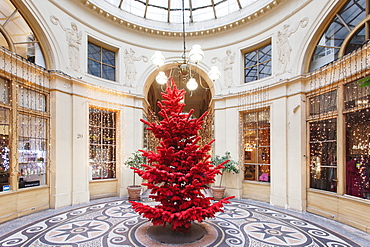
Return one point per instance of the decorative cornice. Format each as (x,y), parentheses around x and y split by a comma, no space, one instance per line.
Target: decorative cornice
(166,33)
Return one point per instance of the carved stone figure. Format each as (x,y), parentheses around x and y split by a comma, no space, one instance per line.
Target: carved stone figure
(73,37)
(129,60)
(283,46)
(227,64)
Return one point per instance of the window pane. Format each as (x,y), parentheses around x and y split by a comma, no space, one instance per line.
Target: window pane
(109,119)
(250,59)
(32,156)
(250,120)
(264,155)
(323,103)
(250,172)
(95,135)
(4,150)
(332,39)
(323,155)
(264,136)
(357,40)
(7,9)
(4,91)
(264,173)
(104,66)
(256,130)
(357,155)
(108,72)
(251,74)
(108,57)
(265,53)
(94,117)
(336,33)
(356,96)
(3,41)
(94,52)
(18,29)
(258,63)
(109,136)
(94,68)
(250,146)
(354,12)
(102,151)
(158,14)
(31,99)
(264,70)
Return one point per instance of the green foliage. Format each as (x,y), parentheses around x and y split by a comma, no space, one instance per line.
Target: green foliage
(230,166)
(365,82)
(135,161)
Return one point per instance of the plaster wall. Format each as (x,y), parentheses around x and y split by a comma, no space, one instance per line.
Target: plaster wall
(296,19)
(72,94)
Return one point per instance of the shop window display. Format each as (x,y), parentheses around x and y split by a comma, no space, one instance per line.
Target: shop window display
(4,150)
(323,141)
(256,127)
(32,150)
(323,154)
(102,132)
(357,140)
(32,138)
(357,158)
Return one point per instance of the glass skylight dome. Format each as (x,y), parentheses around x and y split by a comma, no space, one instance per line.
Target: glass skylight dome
(171,11)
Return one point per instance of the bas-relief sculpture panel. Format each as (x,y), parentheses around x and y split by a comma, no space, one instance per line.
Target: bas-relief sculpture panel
(73,38)
(130,69)
(283,46)
(227,67)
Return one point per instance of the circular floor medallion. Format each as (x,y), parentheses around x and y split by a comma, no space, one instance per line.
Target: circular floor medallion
(75,232)
(276,234)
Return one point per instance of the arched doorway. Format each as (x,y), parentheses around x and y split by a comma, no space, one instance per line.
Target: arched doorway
(200,100)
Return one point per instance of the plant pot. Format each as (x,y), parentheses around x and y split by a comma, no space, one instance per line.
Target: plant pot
(134,192)
(218,192)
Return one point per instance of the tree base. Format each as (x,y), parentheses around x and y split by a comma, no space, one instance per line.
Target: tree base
(166,235)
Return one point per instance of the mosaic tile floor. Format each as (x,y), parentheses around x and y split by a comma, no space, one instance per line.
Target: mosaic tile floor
(114,223)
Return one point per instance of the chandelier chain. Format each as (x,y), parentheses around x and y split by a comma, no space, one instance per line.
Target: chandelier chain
(183,29)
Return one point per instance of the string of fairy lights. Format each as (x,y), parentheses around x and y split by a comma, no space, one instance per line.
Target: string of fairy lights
(106,120)
(336,90)
(254,124)
(24,121)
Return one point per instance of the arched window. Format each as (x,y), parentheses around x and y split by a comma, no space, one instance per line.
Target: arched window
(347,31)
(17,36)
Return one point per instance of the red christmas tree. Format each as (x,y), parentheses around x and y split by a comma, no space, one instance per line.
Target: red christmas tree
(180,169)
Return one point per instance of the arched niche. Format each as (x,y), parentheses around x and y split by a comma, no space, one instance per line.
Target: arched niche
(200,99)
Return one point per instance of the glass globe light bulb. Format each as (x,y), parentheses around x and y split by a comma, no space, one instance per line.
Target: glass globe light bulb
(214,74)
(158,59)
(192,84)
(161,78)
(196,54)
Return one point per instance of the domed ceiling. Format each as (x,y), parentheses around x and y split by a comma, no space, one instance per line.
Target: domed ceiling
(165,17)
(171,11)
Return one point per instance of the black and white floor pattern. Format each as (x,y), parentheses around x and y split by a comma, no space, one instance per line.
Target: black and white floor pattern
(114,223)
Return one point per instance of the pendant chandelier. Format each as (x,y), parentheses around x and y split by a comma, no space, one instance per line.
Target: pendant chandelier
(188,66)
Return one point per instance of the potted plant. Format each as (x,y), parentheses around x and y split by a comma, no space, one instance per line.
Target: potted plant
(135,161)
(229,166)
